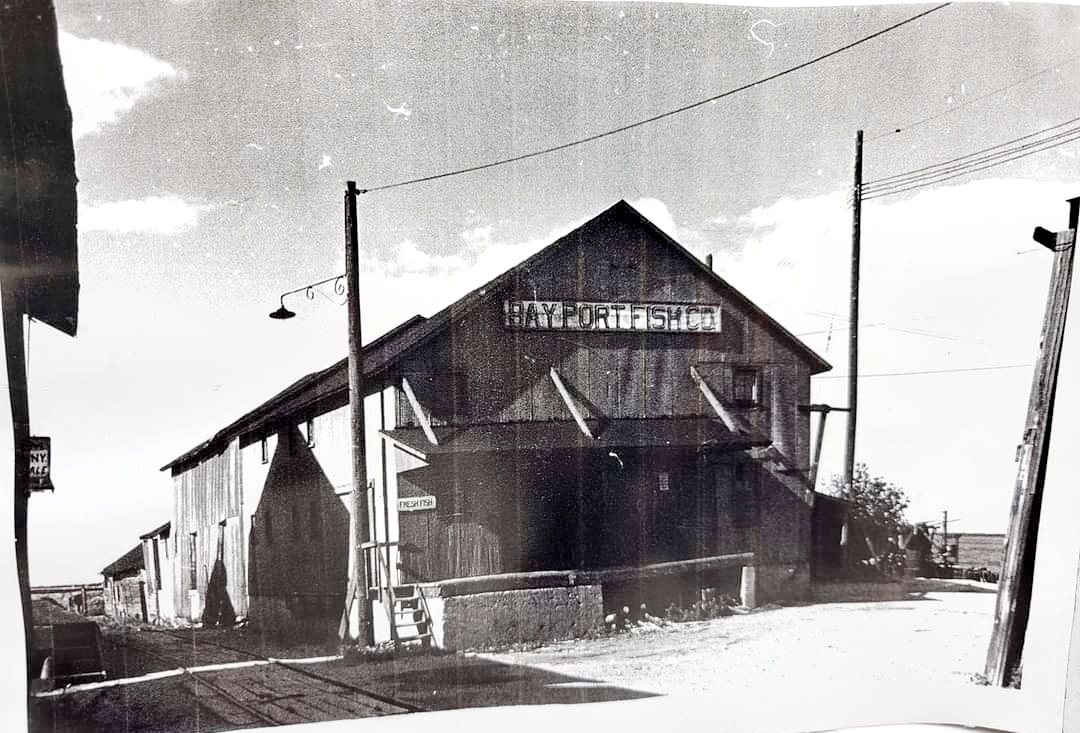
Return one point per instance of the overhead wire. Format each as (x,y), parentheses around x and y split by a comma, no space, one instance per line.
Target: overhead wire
(976,163)
(657,117)
(929,371)
(957,159)
(969,102)
(968,171)
(947,170)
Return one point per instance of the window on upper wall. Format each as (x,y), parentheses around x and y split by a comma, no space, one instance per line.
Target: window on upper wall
(221,542)
(193,562)
(746,386)
(265,448)
(157,563)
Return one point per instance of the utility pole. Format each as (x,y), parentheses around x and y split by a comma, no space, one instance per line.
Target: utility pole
(823,412)
(12,310)
(1018,565)
(359,581)
(853,344)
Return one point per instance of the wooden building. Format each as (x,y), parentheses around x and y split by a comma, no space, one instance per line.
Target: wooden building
(976,550)
(125,587)
(157,554)
(608,410)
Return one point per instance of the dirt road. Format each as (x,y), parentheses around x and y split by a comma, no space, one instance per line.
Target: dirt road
(939,637)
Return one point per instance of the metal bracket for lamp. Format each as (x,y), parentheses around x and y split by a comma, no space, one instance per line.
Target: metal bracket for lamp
(283,313)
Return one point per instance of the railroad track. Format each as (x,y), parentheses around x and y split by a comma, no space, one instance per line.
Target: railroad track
(253,690)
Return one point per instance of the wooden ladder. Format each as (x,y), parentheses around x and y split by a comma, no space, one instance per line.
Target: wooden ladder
(406,609)
(409,612)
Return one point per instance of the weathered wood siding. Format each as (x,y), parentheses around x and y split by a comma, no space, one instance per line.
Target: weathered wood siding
(481,372)
(159,577)
(558,511)
(298,539)
(207,494)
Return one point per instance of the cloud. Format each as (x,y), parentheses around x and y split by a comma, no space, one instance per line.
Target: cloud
(479,237)
(105,80)
(942,287)
(658,213)
(419,282)
(411,260)
(152,215)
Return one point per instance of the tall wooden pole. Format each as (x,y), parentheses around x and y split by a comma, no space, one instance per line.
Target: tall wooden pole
(14,345)
(1018,565)
(360,582)
(853,341)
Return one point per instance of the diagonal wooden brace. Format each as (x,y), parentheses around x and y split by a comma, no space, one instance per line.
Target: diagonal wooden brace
(570,404)
(418,411)
(731,420)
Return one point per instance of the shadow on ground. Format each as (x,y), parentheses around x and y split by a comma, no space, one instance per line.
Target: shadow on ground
(914,589)
(451,681)
(428,680)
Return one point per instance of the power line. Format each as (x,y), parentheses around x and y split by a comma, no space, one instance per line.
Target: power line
(1003,156)
(881,181)
(931,371)
(972,160)
(662,115)
(975,169)
(999,90)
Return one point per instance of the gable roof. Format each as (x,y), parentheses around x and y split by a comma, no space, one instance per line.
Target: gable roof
(467,303)
(130,562)
(381,355)
(306,390)
(162,532)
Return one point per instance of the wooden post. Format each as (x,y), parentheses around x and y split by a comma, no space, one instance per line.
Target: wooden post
(20,421)
(824,410)
(853,340)
(356,410)
(386,520)
(748,586)
(1017,571)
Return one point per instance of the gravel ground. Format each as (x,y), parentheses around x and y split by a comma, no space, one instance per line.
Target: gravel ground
(940,638)
(937,638)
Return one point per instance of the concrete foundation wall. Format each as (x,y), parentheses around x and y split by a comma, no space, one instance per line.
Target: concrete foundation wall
(295,617)
(512,616)
(783,583)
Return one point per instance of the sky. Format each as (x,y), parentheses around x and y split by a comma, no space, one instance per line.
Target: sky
(213,142)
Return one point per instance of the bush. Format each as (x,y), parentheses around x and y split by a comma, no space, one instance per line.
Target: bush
(702,610)
(981,574)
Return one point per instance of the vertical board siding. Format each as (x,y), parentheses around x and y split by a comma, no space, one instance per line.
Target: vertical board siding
(499,376)
(207,494)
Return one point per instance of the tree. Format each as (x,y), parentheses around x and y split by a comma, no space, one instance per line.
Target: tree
(876,514)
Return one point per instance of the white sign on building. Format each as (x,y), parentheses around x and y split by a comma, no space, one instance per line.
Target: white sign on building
(416,503)
(576,315)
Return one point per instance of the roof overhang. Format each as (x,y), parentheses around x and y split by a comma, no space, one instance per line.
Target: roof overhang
(162,531)
(655,433)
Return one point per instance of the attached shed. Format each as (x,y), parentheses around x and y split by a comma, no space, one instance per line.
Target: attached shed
(607,413)
(125,586)
(157,560)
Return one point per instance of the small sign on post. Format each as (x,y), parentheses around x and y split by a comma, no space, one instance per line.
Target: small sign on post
(40,457)
(416,503)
